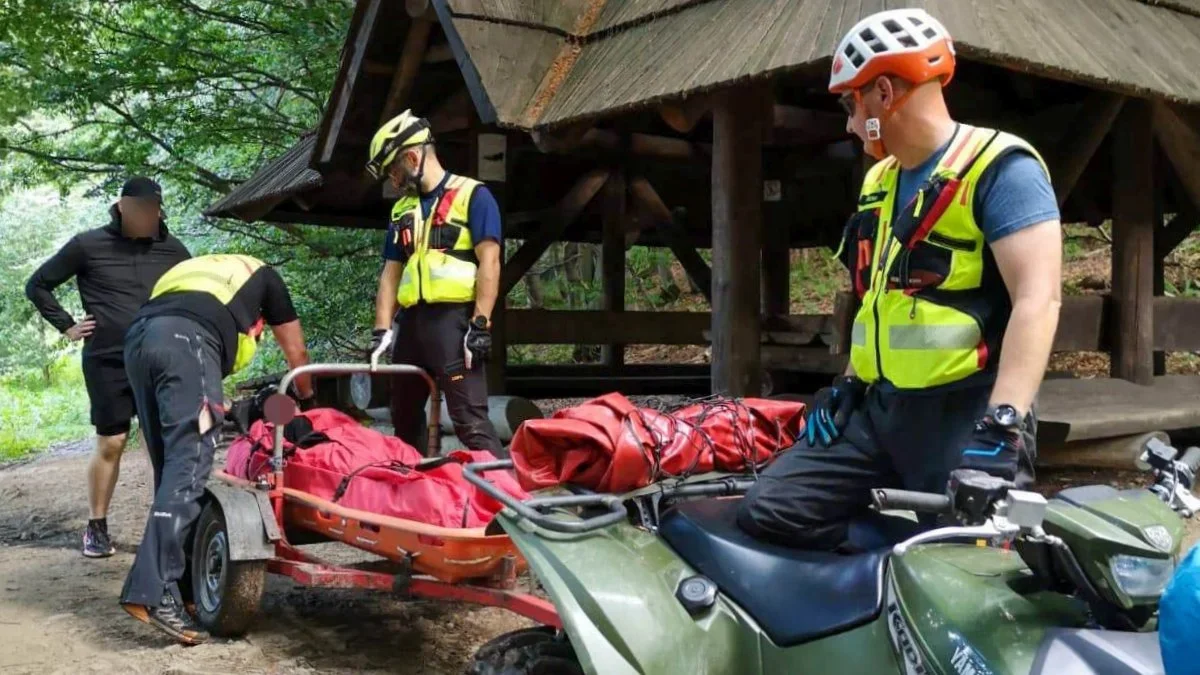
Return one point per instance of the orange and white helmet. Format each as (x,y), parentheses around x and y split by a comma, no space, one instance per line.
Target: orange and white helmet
(907,43)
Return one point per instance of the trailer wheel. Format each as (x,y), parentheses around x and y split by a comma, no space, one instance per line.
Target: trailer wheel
(227,593)
(531,651)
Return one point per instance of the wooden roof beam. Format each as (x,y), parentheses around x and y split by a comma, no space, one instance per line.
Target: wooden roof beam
(411,56)
(580,138)
(420,9)
(452,114)
(567,211)
(643,193)
(1179,138)
(682,116)
(331,124)
(1084,135)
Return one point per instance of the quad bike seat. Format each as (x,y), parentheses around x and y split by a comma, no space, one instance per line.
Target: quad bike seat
(795,595)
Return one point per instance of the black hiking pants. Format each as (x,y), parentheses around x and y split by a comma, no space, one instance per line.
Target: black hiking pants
(174,368)
(807,497)
(431,336)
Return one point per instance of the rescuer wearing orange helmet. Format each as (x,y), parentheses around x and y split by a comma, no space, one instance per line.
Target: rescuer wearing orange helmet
(955,253)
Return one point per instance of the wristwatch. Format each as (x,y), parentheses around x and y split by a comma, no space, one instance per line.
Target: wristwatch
(1006,416)
(480,322)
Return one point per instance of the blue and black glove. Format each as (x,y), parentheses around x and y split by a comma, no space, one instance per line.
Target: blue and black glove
(831,410)
(995,444)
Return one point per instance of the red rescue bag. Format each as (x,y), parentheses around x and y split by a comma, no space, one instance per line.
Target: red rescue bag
(608,444)
(360,468)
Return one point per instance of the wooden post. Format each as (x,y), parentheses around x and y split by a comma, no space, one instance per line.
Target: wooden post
(738,120)
(1159,281)
(1133,245)
(612,260)
(496,178)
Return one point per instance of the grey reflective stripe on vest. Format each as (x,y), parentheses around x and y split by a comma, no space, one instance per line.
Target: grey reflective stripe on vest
(858,335)
(957,336)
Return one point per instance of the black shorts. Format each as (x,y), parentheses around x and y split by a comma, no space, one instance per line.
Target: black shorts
(109,392)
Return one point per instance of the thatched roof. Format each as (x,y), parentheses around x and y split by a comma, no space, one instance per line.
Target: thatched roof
(541,64)
(274,182)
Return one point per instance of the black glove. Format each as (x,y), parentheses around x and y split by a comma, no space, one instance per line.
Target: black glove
(994,448)
(478,340)
(831,410)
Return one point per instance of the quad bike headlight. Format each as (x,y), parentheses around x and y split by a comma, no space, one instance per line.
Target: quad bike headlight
(1141,577)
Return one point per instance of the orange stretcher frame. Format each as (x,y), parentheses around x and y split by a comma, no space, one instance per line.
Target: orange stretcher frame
(435,562)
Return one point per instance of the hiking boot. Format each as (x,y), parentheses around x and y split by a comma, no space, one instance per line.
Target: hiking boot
(96,543)
(170,618)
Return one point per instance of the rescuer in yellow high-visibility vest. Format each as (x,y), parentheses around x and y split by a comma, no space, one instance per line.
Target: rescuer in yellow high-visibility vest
(202,322)
(955,253)
(442,267)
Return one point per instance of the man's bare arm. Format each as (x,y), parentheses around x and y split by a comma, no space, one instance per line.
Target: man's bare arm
(385,297)
(291,340)
(1030,262)
(487,278)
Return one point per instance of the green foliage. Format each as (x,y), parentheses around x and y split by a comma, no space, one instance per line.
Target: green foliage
(33,225)
(36,412)
(198,92)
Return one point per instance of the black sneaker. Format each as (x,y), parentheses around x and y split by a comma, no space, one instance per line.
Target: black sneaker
(96,543)
(171,619)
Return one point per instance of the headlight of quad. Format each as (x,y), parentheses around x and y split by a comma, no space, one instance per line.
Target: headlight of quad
(1141,577)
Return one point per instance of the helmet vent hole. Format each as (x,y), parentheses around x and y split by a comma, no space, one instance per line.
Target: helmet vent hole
(930,33)
(907,41)
(856,58)
(893,27)
(916,21)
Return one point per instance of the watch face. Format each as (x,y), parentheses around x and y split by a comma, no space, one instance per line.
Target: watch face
(479,322)
(1005,415)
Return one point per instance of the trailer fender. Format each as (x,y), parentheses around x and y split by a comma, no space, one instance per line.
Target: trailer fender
(249,521)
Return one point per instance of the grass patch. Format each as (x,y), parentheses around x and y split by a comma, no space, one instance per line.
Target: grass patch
(36,413)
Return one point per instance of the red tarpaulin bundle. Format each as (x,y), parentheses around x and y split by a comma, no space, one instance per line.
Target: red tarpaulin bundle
(608,444)
(360,468)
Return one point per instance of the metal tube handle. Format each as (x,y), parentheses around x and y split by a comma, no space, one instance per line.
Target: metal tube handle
(907,500)
(351,369)
(529,510)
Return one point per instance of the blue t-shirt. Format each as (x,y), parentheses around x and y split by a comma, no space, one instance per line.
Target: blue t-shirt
(1013,194)
(483,219)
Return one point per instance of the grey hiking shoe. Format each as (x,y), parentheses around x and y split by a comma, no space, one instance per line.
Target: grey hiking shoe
(171,619)
(96,543)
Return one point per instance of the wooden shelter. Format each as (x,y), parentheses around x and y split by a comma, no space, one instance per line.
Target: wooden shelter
(706,123)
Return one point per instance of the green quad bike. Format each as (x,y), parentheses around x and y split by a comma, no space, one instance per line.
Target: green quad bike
(663,581)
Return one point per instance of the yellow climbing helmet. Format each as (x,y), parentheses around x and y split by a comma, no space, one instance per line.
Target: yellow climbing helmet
(402,131)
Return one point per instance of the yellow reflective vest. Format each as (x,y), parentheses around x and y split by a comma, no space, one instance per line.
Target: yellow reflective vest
(441,261)
(934,307)
(221,276)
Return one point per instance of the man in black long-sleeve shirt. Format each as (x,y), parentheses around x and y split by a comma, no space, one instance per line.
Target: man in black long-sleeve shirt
(115,267)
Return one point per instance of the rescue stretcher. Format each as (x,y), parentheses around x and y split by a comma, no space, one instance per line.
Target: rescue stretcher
(249,528)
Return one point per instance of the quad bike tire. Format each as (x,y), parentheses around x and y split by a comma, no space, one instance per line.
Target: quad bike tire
(530,651)
(227,593)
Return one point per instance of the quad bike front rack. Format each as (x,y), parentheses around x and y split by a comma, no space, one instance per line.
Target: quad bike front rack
(613,505)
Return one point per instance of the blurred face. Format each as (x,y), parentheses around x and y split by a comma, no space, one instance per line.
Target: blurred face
(139,217)
(872,101)
(403,171)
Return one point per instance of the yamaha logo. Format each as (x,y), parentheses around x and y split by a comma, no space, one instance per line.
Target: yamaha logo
(1159,537)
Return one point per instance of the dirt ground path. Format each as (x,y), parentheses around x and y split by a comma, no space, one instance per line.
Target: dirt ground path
(59,612)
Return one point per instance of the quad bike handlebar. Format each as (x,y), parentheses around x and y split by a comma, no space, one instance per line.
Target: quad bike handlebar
(616,510)
(908,500)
